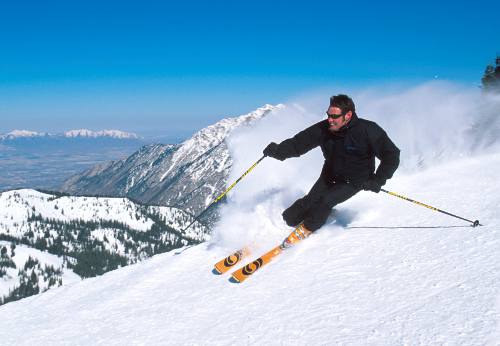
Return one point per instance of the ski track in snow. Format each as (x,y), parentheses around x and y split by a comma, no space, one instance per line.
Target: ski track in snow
(343,286)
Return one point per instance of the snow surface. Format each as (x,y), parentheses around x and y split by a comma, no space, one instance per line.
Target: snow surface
(383,271)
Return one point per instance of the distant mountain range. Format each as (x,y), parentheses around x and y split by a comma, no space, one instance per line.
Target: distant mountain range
(41,160)
(81,133)
(187,175)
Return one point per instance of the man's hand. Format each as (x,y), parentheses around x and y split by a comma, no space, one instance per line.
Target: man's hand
(272,151)
(372,184)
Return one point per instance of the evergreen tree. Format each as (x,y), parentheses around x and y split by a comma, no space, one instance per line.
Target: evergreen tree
(491,77)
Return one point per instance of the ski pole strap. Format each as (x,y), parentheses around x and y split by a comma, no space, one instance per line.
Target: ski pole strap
(224,193)
(474,223)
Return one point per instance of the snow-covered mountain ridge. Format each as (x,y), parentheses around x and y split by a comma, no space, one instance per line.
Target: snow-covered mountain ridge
(104,133)
(188,176)
(81,133)
(362,280)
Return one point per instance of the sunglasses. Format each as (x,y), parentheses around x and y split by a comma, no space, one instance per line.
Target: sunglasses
(334,116)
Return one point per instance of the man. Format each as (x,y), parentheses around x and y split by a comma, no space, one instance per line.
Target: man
(350,145)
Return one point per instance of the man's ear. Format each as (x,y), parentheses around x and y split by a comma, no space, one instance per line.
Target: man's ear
(348,115)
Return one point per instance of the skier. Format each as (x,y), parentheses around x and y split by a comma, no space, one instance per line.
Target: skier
(350,145)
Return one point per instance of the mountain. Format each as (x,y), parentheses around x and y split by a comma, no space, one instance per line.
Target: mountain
(104,133)
(188,176)
(386,272)
(86,236)
(82,133)
(21,134)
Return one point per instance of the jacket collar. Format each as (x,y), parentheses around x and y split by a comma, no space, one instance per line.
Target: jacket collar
(354,120)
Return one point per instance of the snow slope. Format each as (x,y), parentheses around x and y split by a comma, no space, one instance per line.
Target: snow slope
(343,286)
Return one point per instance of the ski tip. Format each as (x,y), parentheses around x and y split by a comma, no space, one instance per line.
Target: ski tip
(233,280)
(215,271)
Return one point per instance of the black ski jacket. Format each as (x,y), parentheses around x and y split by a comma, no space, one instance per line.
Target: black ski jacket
(349,153)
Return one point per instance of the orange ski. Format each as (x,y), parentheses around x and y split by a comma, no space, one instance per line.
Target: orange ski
(244,272)
(227,263)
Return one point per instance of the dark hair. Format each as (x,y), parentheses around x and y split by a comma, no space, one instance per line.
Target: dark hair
(344,102)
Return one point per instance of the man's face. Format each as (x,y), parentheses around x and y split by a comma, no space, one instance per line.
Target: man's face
(337,122)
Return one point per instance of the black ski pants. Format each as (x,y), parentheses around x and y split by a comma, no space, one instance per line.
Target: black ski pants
(313,209)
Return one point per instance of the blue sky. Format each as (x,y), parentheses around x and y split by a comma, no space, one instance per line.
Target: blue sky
(159,66)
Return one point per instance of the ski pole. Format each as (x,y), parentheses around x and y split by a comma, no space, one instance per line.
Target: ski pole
(474,223)
(224,193)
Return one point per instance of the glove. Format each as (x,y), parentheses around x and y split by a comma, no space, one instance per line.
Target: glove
(272,151)
(372,184)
